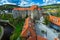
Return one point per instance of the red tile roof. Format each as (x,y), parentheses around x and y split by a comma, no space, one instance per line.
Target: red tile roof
(31,8)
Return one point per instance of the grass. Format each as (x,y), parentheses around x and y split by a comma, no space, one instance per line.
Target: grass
(18,23)
(17,30)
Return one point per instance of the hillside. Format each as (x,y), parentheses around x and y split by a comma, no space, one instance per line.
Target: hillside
(51,6)
(10,6)
(7,6)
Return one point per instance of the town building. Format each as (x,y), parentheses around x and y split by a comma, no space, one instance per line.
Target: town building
(24,11)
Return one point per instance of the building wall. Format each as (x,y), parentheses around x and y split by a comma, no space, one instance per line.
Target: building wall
(21,13)
(24,13)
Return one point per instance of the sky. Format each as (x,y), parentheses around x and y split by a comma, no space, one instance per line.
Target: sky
(29,2)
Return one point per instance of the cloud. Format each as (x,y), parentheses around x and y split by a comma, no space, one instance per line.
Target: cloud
(49,2)
(30,3)
(27,3)
(6,2)
(2,2)
(33,3)
(24,2)
(58,2)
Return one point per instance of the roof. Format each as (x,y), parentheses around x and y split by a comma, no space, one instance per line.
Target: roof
(31,8)
(55,20)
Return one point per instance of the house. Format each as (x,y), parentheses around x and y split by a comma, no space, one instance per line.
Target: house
(5,12)
(22,12)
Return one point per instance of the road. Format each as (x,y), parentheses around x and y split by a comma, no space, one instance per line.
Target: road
(8,30)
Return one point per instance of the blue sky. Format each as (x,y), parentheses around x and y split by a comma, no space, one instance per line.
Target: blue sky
(29,2)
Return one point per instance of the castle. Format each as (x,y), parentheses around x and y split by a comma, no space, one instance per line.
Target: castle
(22,11)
